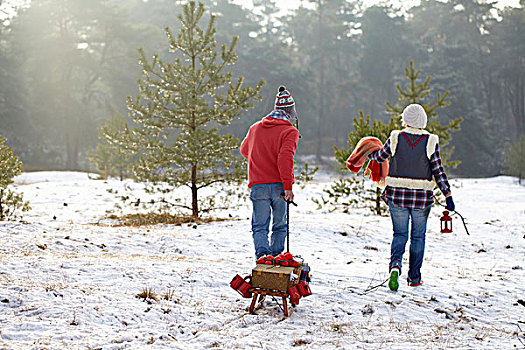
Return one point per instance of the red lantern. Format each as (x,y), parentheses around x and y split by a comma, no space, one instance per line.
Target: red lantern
(446,223)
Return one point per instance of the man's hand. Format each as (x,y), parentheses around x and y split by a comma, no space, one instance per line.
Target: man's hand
(288,195)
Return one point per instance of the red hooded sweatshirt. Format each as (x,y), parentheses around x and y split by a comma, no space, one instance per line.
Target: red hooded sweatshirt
(269,148)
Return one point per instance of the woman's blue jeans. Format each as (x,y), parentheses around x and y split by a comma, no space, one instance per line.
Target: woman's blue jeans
(400,217)
(267,201)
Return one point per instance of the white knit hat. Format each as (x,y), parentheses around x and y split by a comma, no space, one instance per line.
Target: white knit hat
(414,115)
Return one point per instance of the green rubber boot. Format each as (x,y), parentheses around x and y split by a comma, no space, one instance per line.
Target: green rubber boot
(393,284)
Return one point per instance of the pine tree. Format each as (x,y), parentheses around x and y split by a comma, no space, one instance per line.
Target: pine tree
(362,128)
(515,159)
(181,106)
(10,166)
(419,92)
(415,92)
(110,156)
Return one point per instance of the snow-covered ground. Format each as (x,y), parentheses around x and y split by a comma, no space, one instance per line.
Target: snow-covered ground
(68,283)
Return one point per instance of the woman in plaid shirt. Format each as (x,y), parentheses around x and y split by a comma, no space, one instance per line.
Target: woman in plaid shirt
(415,168)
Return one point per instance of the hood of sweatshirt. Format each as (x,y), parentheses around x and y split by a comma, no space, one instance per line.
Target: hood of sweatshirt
(269,122)
(275,118)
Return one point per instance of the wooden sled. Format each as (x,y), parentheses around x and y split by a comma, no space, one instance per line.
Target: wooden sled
(261,293)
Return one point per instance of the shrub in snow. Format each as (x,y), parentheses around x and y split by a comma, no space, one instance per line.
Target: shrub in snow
(10,166)
(351,192)
(515,159)
(305,174)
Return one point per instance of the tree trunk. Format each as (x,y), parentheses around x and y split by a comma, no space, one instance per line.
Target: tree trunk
(194,202)
(194,198)
(72,152)
(378,201)
(514,92)
(320,115)
(320,87)
(1,207)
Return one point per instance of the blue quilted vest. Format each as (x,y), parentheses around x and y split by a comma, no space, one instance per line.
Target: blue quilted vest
(410,159)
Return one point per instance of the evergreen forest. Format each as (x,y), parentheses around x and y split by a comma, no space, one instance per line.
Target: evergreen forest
(69,66)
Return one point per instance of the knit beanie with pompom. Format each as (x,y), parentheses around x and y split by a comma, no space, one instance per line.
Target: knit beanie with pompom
(284,101)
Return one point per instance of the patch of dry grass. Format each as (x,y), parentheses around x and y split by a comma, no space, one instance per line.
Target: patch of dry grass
(168,295)
(147,295)
(154,218)
(300,342)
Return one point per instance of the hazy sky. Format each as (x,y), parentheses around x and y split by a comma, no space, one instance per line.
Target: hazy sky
(291,4)
(283,4)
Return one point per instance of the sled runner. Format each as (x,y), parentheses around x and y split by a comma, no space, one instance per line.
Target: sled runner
(262,293)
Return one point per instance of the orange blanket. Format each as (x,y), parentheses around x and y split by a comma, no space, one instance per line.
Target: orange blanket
(376,171)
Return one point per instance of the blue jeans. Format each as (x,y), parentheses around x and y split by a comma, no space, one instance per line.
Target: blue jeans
(400,217)
(267,200)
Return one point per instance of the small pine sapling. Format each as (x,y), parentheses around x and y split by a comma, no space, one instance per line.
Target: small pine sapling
(10,202)
(342,194)
(304,174)
(514,160)
(363,127)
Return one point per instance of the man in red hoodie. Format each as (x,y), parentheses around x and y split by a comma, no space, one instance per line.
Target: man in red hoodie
(269,148)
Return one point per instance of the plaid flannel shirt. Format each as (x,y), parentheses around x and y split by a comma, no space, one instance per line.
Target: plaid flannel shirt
(279,114)
(413,198)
